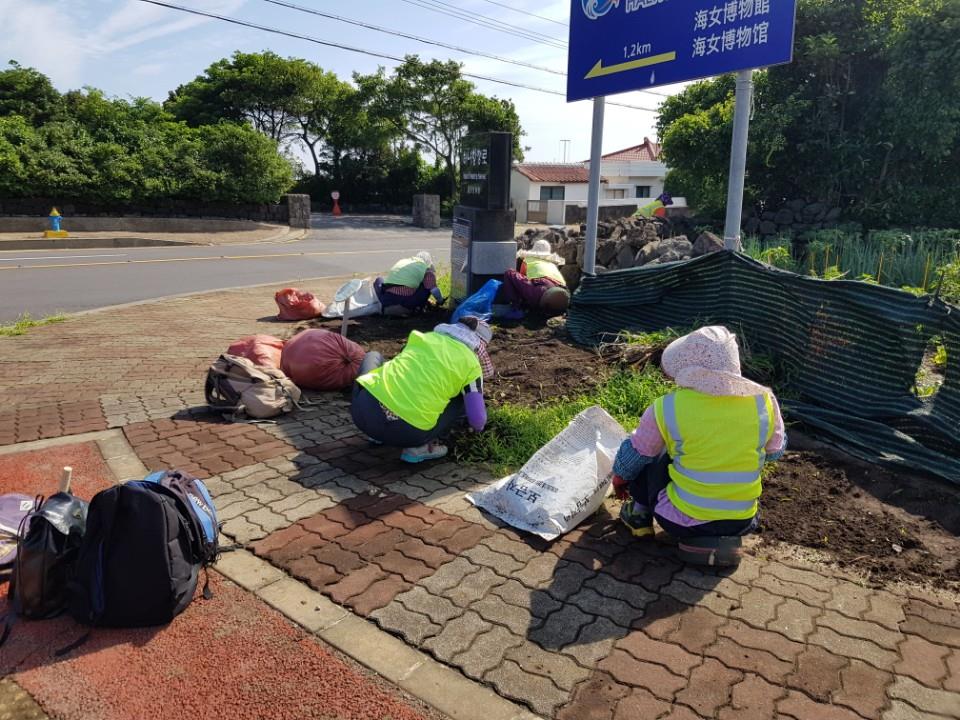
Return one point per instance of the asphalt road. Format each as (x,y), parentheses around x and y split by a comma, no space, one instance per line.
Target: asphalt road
(45,282)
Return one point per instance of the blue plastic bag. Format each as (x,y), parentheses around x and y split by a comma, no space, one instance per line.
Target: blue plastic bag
(480,304)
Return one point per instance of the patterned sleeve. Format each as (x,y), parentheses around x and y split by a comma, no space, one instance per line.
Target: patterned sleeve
(486,364)
(629,463)
(430,279)
(777,444)
(646,439)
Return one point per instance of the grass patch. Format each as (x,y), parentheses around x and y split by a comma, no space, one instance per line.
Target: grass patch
(442,272)
(25,322)
(515,432)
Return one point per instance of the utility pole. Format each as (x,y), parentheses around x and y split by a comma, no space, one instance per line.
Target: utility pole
(738,159)
(566,147)
(593,189)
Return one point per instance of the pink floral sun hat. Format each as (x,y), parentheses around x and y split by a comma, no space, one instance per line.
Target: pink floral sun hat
(708,361)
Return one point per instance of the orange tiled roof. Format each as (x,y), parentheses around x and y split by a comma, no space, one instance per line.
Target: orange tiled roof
(555,172)
(647,151)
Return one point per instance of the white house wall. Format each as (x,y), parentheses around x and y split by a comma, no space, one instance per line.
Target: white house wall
(627,175)
(520,193)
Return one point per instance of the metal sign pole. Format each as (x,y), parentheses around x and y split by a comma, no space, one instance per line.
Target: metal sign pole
(738,159)
(593,190)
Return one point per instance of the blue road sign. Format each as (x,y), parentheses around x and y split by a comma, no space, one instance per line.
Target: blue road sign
(622,45)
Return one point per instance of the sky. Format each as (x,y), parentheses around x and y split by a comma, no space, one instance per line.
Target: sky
(129,48)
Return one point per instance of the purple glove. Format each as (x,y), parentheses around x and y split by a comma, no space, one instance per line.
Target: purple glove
(476,410)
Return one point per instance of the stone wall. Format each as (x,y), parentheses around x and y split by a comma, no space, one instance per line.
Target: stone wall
(621,244)
(426,211)
(298,211)
(795,218)
(40,207)
(575,214)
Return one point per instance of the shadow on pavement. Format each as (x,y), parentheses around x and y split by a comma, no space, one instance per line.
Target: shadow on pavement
(607,583)
(35,643)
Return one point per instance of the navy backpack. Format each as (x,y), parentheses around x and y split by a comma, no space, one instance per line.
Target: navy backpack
(144,546)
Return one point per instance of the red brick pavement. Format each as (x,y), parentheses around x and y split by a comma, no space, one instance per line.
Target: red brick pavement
(368,549)
(52,420)
(202,448)
(229,657)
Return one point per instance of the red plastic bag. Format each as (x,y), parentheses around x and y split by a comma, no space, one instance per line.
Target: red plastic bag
(297,304)
(321,360)
(261,350)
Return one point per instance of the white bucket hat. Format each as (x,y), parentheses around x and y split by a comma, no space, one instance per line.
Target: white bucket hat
(708,361)
(469,330)
(542,250)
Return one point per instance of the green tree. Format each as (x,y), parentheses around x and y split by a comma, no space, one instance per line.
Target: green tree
(434,107)
(117,152)
(249,168)
(264,89)
(27,93)
(866,117)
(15,136)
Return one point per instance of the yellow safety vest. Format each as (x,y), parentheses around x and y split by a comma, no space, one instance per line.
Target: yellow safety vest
(649,209)
(717,446)
(408,272)
(418,383)
(537,268)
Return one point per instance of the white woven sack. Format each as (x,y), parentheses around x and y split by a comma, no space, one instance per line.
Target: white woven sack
(563,483)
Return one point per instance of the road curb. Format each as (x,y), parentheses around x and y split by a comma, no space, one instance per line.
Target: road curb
(289,235)
(200,293)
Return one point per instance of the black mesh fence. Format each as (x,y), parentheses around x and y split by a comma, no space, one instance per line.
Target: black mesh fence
(845,354)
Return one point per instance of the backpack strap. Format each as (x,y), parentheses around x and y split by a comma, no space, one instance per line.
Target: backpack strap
(15,605)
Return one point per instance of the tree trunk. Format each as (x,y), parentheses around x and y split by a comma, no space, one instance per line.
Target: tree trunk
(452,175)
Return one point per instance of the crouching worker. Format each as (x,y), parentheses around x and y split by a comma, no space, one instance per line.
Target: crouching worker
(408,286)
(415,399)
(694,462)
(539,285)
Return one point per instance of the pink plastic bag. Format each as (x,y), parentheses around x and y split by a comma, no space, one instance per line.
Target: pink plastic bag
(297,304)
(321,360)
(261,350)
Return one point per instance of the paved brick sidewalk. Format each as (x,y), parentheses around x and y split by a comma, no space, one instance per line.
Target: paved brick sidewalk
(596,625)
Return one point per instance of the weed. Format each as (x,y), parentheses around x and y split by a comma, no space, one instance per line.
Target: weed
(654,338)
(777,253)
(25,322)
(940,357)
(515,432)
(949,282)
(443,278)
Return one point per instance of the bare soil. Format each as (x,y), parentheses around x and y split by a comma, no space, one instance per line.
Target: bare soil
(534,362)
(887,526)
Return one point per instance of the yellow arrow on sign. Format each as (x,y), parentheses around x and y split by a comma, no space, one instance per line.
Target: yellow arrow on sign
(599,70)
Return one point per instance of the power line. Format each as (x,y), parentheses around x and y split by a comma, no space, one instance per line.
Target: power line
(524,12)
(495,21)
(361,51)
(417,38)
(490,25)
(428,41)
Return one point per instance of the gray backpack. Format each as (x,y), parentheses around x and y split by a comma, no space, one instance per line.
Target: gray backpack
(238,387)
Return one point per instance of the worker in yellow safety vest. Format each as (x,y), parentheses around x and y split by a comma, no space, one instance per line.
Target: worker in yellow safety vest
(657,208)
(415,399)
(538,284)
(695,460)
(408,286)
